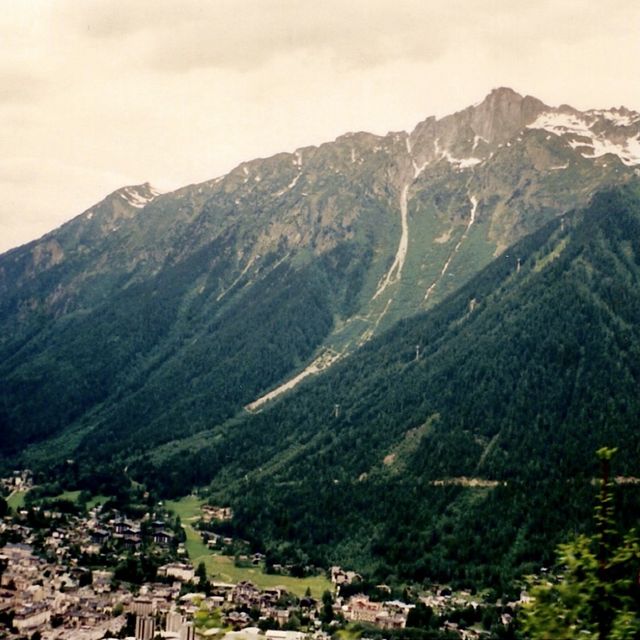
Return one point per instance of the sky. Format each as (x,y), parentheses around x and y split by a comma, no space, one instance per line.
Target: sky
(98,94)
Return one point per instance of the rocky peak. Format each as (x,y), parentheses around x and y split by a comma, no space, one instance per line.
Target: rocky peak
(137,196)
(503,113)
(468,136)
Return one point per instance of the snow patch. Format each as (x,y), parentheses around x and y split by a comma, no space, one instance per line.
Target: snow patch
(137,199)
(288,187)
(476,141)
(417,170)
(461,163)
(395,272)
(407,142)
(465,163)
(445,268)
(616,116)
(297,161)
(578,130)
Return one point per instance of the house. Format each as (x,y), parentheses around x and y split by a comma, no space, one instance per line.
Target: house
(210,512)
(145,627)
(178,570)
(163,537)
(361,609)
(31,617)
(237,619)
(246,593)
(99,536)
(142,606)
(102,581)
(340,576)
(277,634)
(281,616)
(386,615)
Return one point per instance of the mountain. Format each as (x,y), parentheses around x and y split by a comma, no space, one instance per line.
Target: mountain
(442,325)
(151,318)
(134,317)
(458,446)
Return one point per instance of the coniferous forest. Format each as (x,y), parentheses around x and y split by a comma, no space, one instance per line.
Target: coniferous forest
(468,463)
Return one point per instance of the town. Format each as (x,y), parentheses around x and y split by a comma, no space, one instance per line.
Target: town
(92,571)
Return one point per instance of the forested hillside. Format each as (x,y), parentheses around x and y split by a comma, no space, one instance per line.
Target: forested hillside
(521,376)
(153,317)
(395,352)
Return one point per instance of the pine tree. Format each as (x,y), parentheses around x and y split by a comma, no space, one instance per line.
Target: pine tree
(598,596)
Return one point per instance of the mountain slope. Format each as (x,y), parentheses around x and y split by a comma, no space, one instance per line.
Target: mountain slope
(521,376)
(129,325)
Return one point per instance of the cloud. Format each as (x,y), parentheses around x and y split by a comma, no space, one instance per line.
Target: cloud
(225,34)
(171,91)
(20,88)
(192,35)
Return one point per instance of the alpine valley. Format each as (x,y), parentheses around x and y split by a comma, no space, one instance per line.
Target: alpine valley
(397,354)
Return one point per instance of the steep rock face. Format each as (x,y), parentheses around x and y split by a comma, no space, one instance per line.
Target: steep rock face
(502,114)
(365,230)
(467,137)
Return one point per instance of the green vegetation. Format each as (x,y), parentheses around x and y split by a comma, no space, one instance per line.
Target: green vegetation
(512,383)
(598,595)
(187,508)
(94,501)
(71,496)
(223,568)
(206,619)
(16,500)
(510,370)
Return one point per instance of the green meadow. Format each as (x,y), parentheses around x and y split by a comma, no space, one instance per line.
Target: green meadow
(222,568)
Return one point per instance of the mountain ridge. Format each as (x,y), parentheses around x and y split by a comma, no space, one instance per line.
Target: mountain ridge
(379,227)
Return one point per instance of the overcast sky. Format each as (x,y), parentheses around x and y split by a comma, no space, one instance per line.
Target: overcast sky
(97,94)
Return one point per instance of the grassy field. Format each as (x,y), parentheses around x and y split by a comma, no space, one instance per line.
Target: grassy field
(222,568)
(16,500)
(96,500)
(72,496)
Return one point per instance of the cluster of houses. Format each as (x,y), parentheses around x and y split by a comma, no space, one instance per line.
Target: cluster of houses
(37,595)
(214,513)
(67,535)
(46,585)
(125,532)
(67,601)
(19,480)
(54,599)
(391,614)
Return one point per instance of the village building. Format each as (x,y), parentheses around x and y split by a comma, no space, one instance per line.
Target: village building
(179,570)
(339,576)
(222,514)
